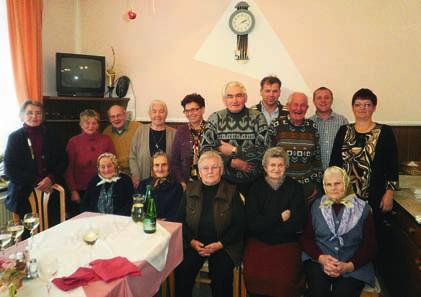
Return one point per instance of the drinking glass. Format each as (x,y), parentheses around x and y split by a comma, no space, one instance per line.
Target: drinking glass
(5,238)
(138,207)
(48,267)
(90,236)
(16,228)
(31,223)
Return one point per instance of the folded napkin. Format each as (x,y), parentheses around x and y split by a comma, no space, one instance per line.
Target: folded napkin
(111,269)
(80,277)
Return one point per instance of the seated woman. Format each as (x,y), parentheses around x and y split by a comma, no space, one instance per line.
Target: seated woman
(338,240)
(109,191)
(83,151)
(275,207)
(166,192)
(212,215)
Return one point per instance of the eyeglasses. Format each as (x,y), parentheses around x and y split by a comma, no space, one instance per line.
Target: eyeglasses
(237,96)
(117,116)
(35,114)
(186,111)
(363,105)
(210,168)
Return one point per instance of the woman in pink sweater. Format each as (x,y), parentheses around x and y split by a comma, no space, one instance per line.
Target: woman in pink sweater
(83,151)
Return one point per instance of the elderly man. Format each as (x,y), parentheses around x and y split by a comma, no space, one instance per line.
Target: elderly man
(270,90)
(121,132)
(300,139)
(239,134)
(328,122)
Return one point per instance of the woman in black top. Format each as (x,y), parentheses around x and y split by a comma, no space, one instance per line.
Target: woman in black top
(213,220)
(275,208)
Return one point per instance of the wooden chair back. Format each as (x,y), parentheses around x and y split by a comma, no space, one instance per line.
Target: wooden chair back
(39,203)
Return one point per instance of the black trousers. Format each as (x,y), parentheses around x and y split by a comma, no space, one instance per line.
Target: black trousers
(322,285)
(220,272)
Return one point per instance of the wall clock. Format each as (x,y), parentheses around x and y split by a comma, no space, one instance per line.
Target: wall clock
(242,23)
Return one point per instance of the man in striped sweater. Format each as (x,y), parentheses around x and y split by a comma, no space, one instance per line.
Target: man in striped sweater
(299,137)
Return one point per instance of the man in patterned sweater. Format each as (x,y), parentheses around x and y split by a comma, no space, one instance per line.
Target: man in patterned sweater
(299,137)
(240,135)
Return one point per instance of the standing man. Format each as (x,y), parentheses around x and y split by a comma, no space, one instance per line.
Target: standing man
(299,137)
(239,134)
(121,132)
(270,90)
(328,122)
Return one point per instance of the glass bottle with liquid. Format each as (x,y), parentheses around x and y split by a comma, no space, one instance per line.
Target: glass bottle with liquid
(149,221)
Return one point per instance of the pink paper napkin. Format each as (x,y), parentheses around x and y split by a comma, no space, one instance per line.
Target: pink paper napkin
(111,269)
(80,277)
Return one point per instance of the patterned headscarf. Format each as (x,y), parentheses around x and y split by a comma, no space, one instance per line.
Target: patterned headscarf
(334,170)
(114,160)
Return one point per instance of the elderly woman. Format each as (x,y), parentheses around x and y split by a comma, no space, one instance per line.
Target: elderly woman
(149,139)
(34,158)
(213,221)
(166,192)
(110,191)
(275,208)
(83,151)
(338,240)
(185,150)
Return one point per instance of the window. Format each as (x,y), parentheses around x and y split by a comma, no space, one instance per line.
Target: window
(9,109)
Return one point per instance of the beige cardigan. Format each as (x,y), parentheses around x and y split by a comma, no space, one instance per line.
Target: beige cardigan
(140,156)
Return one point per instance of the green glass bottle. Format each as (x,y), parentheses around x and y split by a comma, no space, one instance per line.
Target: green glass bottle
(149,221)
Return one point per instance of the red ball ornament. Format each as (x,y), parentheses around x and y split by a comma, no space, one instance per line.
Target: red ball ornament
(132,14)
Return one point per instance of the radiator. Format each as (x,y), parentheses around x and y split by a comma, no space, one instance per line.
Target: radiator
(5,215)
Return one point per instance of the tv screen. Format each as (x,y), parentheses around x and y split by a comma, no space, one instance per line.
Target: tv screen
(80,75)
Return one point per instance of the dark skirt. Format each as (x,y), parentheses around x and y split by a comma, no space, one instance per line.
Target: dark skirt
(273,270)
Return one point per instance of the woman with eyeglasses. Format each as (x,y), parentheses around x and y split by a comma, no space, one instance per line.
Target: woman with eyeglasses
(367,151)
(34,158)
(185,149)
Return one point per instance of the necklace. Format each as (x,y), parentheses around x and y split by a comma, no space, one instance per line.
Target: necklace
(157,141)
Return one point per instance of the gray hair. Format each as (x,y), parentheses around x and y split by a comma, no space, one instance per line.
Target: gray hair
(275,152)
(232,84)
(290,97)
(28,102)
(210,155)
(158,102)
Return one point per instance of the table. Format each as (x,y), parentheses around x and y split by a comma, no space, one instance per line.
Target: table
(140,286)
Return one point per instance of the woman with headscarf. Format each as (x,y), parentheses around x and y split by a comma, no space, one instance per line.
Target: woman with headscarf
(166,192)
(110,191)
(338,240)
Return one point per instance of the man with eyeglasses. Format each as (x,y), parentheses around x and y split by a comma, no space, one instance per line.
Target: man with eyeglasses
(121,132)
(328,122)
(270,90)
(240,135)
(299,137)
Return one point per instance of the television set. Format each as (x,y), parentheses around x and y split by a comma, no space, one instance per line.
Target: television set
(80,75)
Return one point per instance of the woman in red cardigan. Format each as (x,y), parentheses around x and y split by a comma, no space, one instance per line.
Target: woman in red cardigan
(83,151)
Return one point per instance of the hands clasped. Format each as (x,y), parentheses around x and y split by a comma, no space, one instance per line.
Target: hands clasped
(206,251)
(333,267)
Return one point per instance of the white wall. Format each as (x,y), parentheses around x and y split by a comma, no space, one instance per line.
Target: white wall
(344,45)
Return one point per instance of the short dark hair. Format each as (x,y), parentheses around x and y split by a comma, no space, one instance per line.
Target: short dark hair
(365,94)
(322,89)
(270,80)
(196,98)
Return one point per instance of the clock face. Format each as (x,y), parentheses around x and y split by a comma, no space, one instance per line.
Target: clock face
(241,22)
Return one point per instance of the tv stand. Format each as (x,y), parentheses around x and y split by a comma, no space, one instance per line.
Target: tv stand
(62,112)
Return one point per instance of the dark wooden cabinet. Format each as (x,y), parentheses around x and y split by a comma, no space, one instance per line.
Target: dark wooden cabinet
(62,113)
(400,264)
